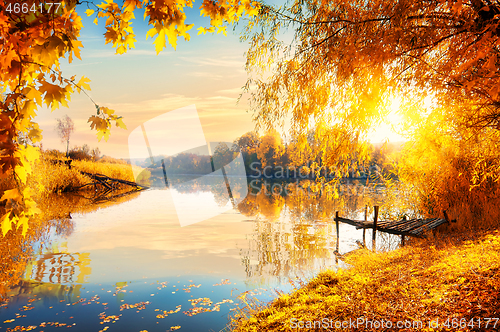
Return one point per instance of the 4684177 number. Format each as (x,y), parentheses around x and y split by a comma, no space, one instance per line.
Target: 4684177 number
(25,8)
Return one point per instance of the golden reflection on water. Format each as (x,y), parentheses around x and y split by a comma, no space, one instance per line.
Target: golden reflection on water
(288,233)
(295,232)
(18,260)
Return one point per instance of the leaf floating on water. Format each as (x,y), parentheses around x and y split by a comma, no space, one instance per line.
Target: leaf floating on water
(139,305)
(9,320)
(188,288)
(173,328)
(223,282)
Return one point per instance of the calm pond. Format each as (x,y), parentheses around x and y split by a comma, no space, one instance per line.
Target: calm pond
(129,266)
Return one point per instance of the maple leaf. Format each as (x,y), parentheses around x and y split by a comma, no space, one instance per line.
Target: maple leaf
(11,194)
(54,94)
(97,123)
(119,123)
(83,83)
(6,223)
(160,41)
(103,133)
(111,35)
(30,152)
(74,47)
(23,221)
(121,49)
(22,172)
(28,109)
(107,110)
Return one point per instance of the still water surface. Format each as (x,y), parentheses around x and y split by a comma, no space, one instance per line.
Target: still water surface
(131,267)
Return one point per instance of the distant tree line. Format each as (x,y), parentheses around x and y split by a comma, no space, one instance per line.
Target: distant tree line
(271,156)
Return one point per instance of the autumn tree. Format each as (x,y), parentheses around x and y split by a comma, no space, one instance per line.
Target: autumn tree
(270,149)
(35,36)
(65,128)
(348,59)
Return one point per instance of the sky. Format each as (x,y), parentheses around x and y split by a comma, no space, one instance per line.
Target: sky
(208,71)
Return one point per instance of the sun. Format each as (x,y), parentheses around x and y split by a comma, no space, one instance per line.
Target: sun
(390,127)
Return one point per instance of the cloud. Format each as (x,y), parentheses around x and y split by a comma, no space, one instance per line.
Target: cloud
(220,62)
(205,74)
(108,53)
(234,91)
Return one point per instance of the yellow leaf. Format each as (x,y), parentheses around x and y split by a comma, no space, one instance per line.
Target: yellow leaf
(103,133)
(160,41)
(21,221)
(172,36)
(31,153)
(83,83)
(119,123)
(54,94)
(151,33)
(35,133)
(121,49)
(89,12)
(29,109)
(222,29)
(21,172)
(6,224)
(202,30)
(11,194)
(95,21)
(107,111)
(75,47)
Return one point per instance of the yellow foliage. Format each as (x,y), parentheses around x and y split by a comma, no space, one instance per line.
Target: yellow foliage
(457,278)
(271,148)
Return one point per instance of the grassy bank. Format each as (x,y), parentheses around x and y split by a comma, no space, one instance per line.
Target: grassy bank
(50,177)
(454,282)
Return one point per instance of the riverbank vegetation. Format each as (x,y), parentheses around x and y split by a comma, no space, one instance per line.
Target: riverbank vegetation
(52,174)
(274,156)
(452,280)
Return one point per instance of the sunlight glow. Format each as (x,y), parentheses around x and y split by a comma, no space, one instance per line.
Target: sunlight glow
(391,125)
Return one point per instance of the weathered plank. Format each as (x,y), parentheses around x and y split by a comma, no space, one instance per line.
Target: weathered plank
(411,227)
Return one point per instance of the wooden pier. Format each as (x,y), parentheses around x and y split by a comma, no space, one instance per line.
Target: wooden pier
(404,227)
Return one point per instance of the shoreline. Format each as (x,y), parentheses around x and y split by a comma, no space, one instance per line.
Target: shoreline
(444,282)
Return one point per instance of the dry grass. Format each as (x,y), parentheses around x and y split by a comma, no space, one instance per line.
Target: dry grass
(112,170)
(433,279)
(48,177)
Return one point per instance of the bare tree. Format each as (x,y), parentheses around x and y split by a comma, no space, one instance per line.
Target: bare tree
(65,128)
(96,154)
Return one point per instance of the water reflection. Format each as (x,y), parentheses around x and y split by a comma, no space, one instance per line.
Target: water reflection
(268,237)
(60,268)
(294,229)
(21,255)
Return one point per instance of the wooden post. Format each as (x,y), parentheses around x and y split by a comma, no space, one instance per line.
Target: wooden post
(446,217)
(402,240)
(337,227)
(375,218)
(364,229)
